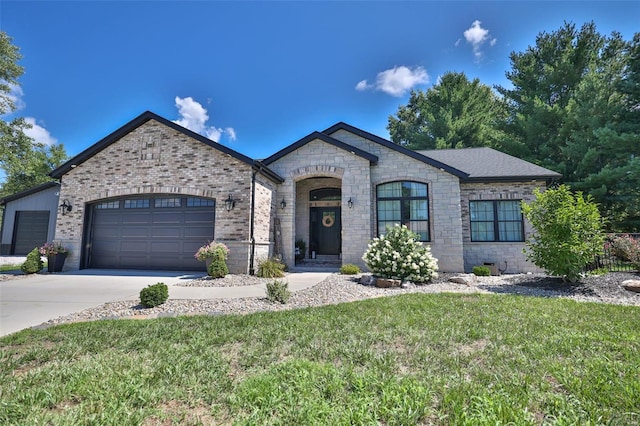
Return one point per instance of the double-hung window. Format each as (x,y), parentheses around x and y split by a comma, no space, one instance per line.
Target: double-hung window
(496,220)
(404,203)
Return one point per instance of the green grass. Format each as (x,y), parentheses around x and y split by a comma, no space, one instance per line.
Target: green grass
(4,268)
(404,360)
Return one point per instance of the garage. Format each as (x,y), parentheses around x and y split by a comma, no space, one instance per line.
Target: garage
(155,232)
(31,229)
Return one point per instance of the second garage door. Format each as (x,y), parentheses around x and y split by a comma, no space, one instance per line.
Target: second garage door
(160,232)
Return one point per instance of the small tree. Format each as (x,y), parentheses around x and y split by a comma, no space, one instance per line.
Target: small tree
(568,232)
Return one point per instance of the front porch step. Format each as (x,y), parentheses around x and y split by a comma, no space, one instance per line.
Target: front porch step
(322,263)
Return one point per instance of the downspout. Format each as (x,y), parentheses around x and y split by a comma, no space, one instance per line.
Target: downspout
(252,239)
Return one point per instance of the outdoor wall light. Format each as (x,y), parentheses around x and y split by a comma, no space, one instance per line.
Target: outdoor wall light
(229,203)
(283,204)
(350,203)
(65,207)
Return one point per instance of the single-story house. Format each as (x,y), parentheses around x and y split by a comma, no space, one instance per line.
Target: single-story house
(152,192)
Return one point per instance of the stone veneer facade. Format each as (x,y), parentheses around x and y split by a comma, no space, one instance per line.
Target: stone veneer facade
(477,253)
(156,159)
(358,179)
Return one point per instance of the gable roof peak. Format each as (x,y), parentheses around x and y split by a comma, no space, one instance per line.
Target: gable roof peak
(136,123)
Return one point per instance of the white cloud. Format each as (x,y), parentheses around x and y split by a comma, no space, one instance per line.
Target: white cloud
(39,133)
(194,117)
(231,132)
(362,85)
(396,81)
(399,80)
(477,37)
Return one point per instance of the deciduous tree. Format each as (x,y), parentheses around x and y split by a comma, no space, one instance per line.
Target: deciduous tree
(25,163)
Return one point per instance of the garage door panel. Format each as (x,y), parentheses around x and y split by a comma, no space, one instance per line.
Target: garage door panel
(167,218)
(198,231)
(170,232)
(150,238)
(166,247)
(131,261)
(134,232)
(103,232)
(135,219)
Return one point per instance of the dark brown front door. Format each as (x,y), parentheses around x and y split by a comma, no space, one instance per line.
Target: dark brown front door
(326,229)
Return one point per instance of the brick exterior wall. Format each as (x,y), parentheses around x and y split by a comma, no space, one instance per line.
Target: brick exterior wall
(155,159)
(477,253)
(444,197)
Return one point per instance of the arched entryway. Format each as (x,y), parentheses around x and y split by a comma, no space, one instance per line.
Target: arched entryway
(325,221)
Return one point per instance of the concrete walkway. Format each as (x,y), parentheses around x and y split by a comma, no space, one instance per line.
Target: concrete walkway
(30,301)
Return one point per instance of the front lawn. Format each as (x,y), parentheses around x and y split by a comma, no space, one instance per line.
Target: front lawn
(410,359)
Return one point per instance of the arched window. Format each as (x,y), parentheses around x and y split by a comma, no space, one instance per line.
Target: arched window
(405,203)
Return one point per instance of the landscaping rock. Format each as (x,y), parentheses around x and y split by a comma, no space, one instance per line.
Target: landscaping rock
(467,279)
(387,282)
(367,280)
(631,285)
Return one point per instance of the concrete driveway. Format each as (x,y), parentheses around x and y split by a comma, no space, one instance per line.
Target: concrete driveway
(30,301)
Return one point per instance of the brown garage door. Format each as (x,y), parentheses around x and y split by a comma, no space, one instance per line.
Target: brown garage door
(160,232)
(30,230)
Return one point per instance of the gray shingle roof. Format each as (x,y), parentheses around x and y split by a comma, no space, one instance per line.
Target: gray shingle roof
(487,164)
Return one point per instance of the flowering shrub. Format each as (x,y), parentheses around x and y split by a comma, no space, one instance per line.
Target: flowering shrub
(50,249)
(627,248)
(211,250)
(399,254)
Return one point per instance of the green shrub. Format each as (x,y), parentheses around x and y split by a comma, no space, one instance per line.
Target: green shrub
(218,266)
(270,268)
(349,269)
(154,295)
(627,249)
(399,254)
(568,232)
(482,271)
(278,291)
(33,263)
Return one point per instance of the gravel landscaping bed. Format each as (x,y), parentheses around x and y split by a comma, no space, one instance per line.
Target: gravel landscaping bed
(342,288)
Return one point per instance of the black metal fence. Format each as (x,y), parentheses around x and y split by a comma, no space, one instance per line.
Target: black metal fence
(612,260)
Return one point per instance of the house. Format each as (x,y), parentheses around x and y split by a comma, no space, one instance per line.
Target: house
(149,194)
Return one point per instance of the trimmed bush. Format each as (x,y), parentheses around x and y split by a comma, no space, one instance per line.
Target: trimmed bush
(154,295)
(398,254)
(218,267)
(33,264)
(270,268)
(278,291)
(481,271)
(349,269)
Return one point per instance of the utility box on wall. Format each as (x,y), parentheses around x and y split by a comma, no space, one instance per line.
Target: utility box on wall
(492,267)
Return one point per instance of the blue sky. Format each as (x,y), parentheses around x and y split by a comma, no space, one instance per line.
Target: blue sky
(257,76)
